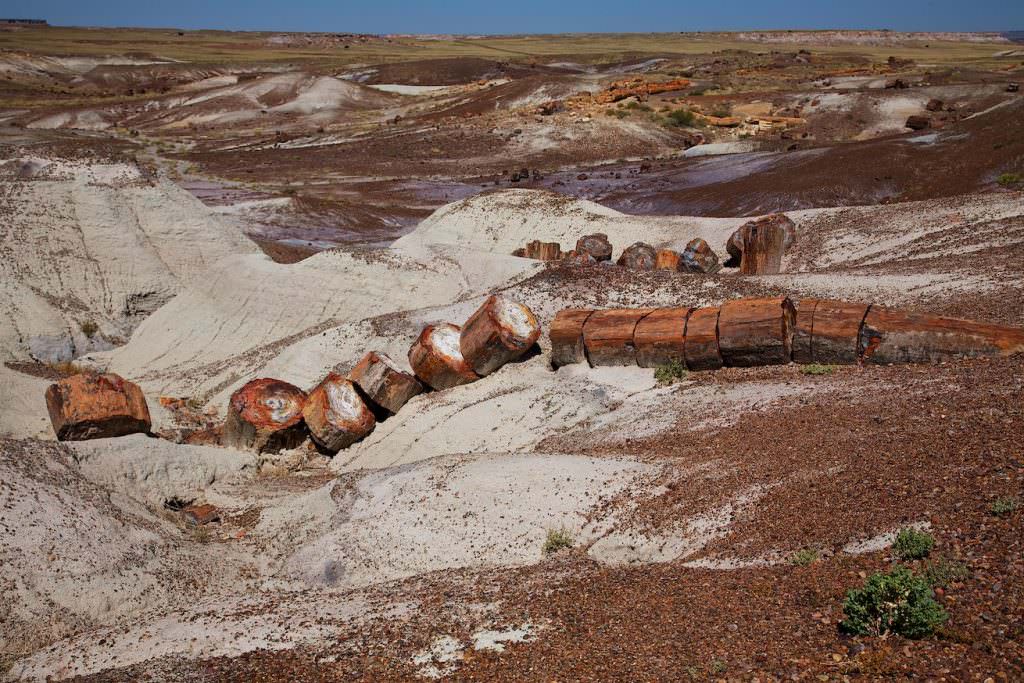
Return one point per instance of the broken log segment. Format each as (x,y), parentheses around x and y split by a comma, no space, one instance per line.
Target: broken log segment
(566,335)
(892,336)
(698,257)
(336,415)
(668,259)
(265,415)
(95,406)
(701,340)
(437,360)
(543,251)
(755,332)
(757,246)
(836,332)
(803,330)
(638,256)
(383,383)
(597,245)
(608,336)
(500,331)
(660,336)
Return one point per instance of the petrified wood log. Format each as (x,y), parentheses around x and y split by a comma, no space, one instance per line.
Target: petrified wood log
(803,326)
(668,259)
(436,359)
(580,257)
(836,332)
(698,257)
(543,251)
(891,336)
(566,335)
(660,336)
(383,383)
(701,340)
(608,336)
(500,331)
(756,332)
(94,406)
(638,256)
(336,415)
(265,415)
(597,245)
(757,246)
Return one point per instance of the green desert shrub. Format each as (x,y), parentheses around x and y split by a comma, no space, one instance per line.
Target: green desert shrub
(670,373)
(912,544)
(942,572)
(1001,507)
(557,539)
(681,118)
(802,558)
(1010,179)
(898,602)
(818,369)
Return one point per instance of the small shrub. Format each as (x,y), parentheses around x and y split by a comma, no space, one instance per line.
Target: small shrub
(802,558)
(670,373)
(89,328)
(557,539)
(940,573)
(681,118)
(617,113)
(912,544)
(818,369)
(722,110)
(897,602)
(1001,507)
(1009,179)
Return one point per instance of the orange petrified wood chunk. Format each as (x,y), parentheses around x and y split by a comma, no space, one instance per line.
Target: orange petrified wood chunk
(608,336)
(265,415)
(437,360)
(500,331)
(94,406)
(336,415)
(667,259)
(566,335)
(660,336)
(701,340)
(756,332)
(383,383)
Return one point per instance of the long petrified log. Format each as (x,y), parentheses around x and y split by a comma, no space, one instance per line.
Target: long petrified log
(756,332)
(383,383)
(891,336)
(94,406)
(265,415)
(803,329)
(500,331)
(638,256)
(701,345)
(597,245)
(566,335)
(660,337)
(836,331)
(336,415)
(608,336)
(436,359)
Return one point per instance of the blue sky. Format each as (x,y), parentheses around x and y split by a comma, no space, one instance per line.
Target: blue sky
(527,16)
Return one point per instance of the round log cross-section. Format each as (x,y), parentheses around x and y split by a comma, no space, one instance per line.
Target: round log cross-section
(639,256)
(437,360)
(566,334)
(756,332)
(659,337)
(500,331)
(597,245)
(701,343)
(265,415)
(336,415)
(383,383)
(608,336)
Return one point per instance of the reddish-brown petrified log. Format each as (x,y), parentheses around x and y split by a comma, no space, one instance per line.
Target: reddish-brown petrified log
(638,256)
(500,331)
(756,332)
(383,383)
(566,335)
(608,336)
(836,332)
(265,415)
(701,340)
(94,406)
(578,257)
(803,326)
(757,246)
(597,245)
(543,251)
(437,360)
(336,415)
(892,336)
(698,257)
(660,336)
(668,259)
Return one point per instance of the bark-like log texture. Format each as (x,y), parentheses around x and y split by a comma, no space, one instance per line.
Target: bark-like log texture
(566,335)
(660,336)
(698,257)
(500,331)
(542,251)
(836,332)
(757,246)
(638,256)
(93,406)
(668,259)
(891,336)
(608,336)
(579,257)
(756,332)
(336,415)
(597,245)
(701,344)
(436,359)
(265,415)
(803,330)
(383,383)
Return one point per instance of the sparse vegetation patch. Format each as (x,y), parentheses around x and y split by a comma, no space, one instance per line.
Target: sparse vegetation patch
(670,373)
(898,602)
(912,544)
(557,539)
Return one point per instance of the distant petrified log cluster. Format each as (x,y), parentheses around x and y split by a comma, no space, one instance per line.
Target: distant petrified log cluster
(771,331)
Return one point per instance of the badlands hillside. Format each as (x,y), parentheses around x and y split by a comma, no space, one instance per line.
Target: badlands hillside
(192,211)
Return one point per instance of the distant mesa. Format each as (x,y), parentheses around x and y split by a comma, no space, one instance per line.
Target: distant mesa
(24,22)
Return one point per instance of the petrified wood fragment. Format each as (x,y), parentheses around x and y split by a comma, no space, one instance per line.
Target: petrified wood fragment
(543,251)
(383,383)
(667,259)
(437,360)
(265,415)
(660,336)
(701,340)
(94,406)
(336,415)
(756,332)
(757,246)
(638,256)
(500,331)
(698,257)
(566,335)
(608,336)
(597,245)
